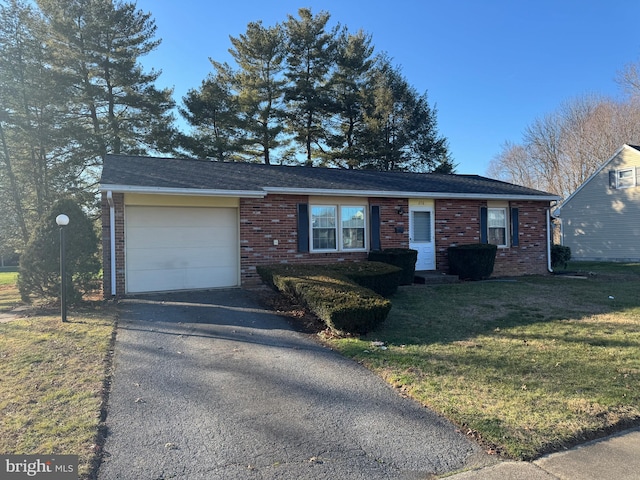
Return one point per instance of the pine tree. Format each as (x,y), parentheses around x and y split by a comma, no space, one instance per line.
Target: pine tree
(98,43)
(213,112)
(310,58)
(259,54)
(348,90)
(401,128)
(34,127)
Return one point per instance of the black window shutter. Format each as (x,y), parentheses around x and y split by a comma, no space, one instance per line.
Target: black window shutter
(514,227)
(637,176)
(612,179)
(303,227)
(484,232)
(375,227)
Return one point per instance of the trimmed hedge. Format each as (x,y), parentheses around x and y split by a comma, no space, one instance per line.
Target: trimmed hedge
(472,262)
(382,278)
(341,304)
(404,258)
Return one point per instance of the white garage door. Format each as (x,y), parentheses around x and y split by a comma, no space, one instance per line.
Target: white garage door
(180,248)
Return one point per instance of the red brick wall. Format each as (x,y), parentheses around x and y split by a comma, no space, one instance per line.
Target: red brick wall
(275,218)
(391,220)
(457,222)
(118,201)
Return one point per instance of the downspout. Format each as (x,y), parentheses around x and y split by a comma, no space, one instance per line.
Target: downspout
(549,238)
(112,240)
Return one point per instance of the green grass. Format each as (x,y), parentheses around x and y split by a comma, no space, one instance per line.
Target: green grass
(8,278)
(52,381)
(9,296)
(527,366)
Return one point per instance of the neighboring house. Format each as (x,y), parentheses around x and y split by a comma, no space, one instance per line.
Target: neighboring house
(174,224)
(601,219)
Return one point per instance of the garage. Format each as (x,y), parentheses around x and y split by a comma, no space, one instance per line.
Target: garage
(180,248)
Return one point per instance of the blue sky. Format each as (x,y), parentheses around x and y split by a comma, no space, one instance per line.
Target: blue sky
(490,67)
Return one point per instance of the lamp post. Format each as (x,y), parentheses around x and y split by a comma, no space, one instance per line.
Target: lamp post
(62,220)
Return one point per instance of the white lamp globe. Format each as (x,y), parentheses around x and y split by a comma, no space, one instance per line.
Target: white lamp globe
(62,220)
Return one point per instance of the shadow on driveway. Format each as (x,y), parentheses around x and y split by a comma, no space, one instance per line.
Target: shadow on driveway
(212,385)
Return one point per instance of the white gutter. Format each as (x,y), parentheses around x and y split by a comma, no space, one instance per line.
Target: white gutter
(112,241)
(403,194)
(184,191)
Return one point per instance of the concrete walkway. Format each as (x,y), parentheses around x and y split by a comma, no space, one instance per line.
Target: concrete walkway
(615,457)
(210,385)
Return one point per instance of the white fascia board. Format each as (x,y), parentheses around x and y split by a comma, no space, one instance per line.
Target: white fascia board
(395,194)
(183,191)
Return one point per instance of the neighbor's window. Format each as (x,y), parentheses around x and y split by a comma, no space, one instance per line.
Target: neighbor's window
(625,178)
(331,224)
(497,225)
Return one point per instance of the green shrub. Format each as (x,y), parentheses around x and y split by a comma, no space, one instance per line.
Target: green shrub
(341,304)
(382,278)
(472,262)
(560,256)
(40,262)
(404,258)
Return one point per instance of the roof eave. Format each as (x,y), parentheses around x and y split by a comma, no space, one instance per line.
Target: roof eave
(183,191)
(407,194)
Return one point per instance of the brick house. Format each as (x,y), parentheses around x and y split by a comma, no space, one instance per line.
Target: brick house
(175,224)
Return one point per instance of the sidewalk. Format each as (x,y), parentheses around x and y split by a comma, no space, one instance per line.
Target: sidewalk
(617,456)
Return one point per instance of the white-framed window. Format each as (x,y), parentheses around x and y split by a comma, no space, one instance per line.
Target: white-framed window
(626,178)
(338,228)
(497,226)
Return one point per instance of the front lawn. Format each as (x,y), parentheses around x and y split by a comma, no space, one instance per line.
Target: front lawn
(52,379)
(527,366)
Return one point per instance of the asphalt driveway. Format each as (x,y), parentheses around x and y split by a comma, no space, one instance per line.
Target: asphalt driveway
(211,385)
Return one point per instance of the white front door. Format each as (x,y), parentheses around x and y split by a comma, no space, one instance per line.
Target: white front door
(421,236)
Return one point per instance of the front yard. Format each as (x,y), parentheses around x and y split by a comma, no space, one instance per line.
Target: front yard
(52,379)
(526,366)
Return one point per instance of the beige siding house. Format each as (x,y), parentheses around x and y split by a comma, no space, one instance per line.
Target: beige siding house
(601,219)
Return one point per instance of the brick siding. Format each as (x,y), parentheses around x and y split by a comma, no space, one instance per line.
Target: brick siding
(457,222)
(263,220)
(275,218)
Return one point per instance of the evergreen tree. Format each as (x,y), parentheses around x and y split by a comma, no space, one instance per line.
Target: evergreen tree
(40,262)
(310,58)
(259,54)
(401,130)
(34,127)
(98,43)
(348,86)
(214,113)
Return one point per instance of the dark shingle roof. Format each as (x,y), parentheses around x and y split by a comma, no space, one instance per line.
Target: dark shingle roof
(131,173)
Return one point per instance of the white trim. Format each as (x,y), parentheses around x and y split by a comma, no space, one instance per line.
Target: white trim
(632,169)
(402,194)
(321,192)
(338,228)
(507,222)
(184,191)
